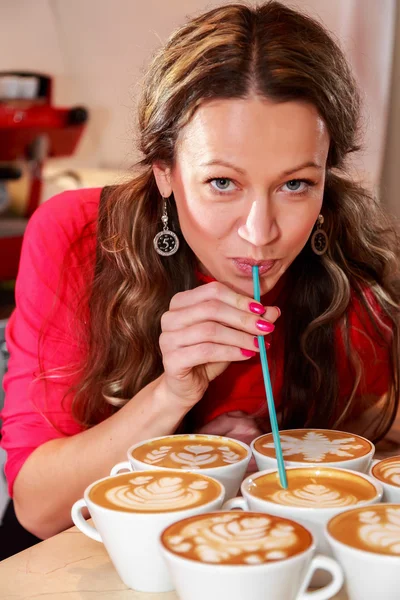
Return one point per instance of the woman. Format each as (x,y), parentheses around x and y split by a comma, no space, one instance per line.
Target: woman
(246,120)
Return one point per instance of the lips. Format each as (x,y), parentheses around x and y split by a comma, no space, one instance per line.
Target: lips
(245,265)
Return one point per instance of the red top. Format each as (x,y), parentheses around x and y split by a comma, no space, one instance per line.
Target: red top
(38,410)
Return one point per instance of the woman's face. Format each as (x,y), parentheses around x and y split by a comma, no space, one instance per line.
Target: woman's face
(248,183)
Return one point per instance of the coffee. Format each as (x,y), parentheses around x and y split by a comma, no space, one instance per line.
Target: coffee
(318,487)
(189,452)
(388,470)
(374,528)
(234,538)
(315,446)
(155,491)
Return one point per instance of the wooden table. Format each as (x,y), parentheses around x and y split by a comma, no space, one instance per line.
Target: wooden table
(68,566)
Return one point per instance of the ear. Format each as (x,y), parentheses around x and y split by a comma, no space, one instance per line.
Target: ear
(162,175)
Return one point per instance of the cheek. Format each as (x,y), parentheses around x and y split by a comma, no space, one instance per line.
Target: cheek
(296,230)
(210,221)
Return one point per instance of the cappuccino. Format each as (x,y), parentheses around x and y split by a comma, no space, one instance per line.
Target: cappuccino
(388,470)
(374,528)
(313,488)
(235,538)
(315,446)
(155,491)
(194,451)
(366,542)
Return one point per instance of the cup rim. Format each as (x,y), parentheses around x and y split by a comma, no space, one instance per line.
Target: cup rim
(194,469)
(376,555)
(382,481)
(372,449)
(310,549)
(306,509)
(89,500)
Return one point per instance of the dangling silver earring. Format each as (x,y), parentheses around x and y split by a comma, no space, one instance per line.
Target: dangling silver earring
(166,242)
(319,239)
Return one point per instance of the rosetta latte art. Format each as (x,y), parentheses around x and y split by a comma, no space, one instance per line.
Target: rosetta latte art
(194,456)
(391,472)
(250,540)
(381,532)
(148,493)
(313,494)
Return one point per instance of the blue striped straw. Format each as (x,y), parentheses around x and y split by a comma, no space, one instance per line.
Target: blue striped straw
(268,390)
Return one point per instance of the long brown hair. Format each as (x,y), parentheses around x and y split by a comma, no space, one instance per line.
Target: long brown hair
(235,51)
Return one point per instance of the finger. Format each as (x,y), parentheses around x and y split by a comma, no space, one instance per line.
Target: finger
(221,292)
(179,363)
(216,311)
(209,331)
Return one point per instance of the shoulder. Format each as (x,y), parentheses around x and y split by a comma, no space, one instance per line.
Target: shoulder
(64,217)
(61,234)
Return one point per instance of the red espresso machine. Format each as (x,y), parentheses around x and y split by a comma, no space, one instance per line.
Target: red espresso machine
(31,131)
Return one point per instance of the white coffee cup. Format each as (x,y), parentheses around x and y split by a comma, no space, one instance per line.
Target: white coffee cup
(129,518)
(315,447)
(387,472)
(370,574)
(314,516)
(213,577)
(230,474)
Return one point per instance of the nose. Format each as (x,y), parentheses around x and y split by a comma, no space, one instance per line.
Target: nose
(260,226)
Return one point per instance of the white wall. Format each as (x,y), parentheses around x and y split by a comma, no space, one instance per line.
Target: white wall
(97,49)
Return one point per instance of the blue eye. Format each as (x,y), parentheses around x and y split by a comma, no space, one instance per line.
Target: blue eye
(294,185)
(221,184)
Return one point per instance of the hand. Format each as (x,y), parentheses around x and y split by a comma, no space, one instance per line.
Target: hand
(203,331)
(237,425)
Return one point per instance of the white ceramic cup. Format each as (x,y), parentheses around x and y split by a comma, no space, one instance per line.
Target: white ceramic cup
(316,446)
(314,518)
(132,538)
(391,479)
(230,475)
(286,579)
(370,575)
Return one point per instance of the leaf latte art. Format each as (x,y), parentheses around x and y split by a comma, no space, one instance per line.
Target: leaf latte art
(389,471)
(151,491)
(232,538)
(149,494)
(313,494)
(375,528)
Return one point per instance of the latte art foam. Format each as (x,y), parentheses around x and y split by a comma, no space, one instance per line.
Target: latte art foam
(190,452)
(314,494)
(154,492)
(232,538)
(375,528)
(314,488)
(388,470)
(315,445)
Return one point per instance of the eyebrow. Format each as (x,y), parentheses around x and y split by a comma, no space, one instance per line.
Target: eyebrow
(224,163)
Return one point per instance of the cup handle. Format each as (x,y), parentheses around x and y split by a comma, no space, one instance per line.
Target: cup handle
(328,591)
(81,523)
(233,503)
(119,466)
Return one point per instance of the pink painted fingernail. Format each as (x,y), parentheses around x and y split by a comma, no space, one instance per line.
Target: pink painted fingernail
(265,326)
(279,311)
(257,345)
(256,308)
(247,353)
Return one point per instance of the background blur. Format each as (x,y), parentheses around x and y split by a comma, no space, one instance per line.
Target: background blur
(96,52)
